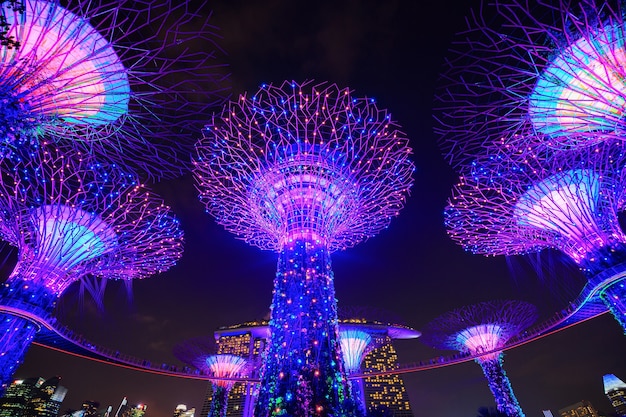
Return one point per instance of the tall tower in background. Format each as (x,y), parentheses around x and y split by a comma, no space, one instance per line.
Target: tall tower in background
(384,391)
(615,389)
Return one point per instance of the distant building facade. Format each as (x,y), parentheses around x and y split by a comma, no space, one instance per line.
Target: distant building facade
(248,340)
(615,390)
(33,397)
(580,409)
(385,391)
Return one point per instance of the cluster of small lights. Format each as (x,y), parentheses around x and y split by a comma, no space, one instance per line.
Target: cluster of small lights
(559,78)
(16,334)
(519,202)
(481,328)
(98,76)
(303,161)
(69,216)
(303,170)
(303,367)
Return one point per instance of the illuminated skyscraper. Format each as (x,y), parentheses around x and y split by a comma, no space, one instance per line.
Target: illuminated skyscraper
(249,340)
(384,391)
(580,409)
(615,389)
(303,170)
(33,397)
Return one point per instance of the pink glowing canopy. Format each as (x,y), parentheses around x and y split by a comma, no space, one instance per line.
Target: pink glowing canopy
(583,89)
(482,338)
(522,200)
(303,161)
(225,366)
(64,67)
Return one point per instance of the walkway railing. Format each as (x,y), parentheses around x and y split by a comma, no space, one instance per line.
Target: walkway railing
(55,336)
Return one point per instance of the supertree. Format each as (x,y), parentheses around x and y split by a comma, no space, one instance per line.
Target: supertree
(485,328)
(355,344)
(222,369)
(118,79)
(548,69)
(529,198)
(303,170)
(70,218)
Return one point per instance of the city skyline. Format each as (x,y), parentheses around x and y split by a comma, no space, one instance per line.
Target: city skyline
(393,52)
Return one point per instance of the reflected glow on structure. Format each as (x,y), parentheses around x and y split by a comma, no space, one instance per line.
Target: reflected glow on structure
(482,338)
(70,217)
(225,366)
(354,345)
(64,67)
(565,203)
(69,236)
(583,89)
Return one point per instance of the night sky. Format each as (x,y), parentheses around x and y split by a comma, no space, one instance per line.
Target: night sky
(393,51)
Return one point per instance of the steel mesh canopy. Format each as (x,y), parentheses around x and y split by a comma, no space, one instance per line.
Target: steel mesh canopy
(553,70)
(70,216)
(123,80)
(523,201)
(485,326)
(303,161)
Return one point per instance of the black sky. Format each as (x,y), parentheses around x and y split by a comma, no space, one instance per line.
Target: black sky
(393,51)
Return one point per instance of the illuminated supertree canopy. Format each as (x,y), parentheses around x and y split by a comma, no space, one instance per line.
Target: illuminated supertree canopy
(485,328)
(222,369)
(355,344)
(526,200)
(71,217)
(548,69)
(119,79)
(304,170)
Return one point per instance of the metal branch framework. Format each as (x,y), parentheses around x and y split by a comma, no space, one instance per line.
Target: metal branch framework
(123,80)
(546,69)
(485,327)
(304,170)
(69,217)
(513,203)
(303,159)
(518,202)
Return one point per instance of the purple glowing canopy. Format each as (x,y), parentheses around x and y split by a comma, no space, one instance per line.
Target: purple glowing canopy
(483,327)
(522,199)
(119,79)
(546,69)
(303,161)
(70,216)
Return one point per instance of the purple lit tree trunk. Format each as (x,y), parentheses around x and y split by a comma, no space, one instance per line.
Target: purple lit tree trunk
(304,349)
(500,387)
